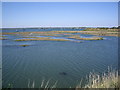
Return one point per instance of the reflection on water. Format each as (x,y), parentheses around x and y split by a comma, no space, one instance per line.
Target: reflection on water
(64,62)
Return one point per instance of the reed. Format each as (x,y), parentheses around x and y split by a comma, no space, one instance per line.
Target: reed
(108,79)
(44,85)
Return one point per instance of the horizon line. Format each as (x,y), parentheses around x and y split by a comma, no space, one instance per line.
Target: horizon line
(60,27)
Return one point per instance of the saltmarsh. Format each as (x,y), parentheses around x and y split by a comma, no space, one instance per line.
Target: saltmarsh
(32,36)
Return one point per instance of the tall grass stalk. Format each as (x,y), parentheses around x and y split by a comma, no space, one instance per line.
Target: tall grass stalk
(108,79)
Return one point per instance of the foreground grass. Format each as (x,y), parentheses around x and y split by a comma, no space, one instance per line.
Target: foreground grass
(106,80)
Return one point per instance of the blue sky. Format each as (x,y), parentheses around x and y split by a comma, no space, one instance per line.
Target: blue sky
(59,14)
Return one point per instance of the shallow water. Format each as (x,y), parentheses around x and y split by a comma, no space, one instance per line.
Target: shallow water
(46,60)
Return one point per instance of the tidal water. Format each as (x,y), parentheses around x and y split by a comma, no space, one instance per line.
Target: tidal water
(55,61)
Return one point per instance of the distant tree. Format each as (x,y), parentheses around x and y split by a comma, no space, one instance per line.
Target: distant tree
(118,27)
(114,28)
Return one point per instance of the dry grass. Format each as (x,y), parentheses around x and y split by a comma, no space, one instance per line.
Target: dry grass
(106,80)
(32,33)
(45,85)
(13,33)
(35,39)
(100,32)
(42,39)
(91,38)
(99,29)
(67,34)
(66,31)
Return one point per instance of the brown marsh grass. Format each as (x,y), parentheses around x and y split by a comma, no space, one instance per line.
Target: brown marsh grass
(42,39)
(100,32)
(91,38)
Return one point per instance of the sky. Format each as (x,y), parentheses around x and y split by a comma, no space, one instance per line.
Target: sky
(60,0)
(59,14)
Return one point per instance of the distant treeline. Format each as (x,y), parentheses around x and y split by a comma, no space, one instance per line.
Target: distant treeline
(109,28)
(60,28)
